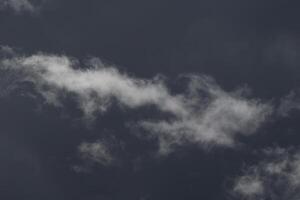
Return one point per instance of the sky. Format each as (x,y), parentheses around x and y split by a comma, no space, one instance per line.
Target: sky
(149,100)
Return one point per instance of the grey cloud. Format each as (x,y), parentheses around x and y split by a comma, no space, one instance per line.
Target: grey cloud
(19,6)
(8,78)
(289,103)
(204,114)
(215,117)
(276,177)
(96,151)
(7,50)
(249,186)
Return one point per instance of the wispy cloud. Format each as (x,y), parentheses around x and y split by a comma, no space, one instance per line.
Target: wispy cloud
(204,113)
(214,117)
(19,6)
(289,103)
(276,177)
(6,50)
(96,151)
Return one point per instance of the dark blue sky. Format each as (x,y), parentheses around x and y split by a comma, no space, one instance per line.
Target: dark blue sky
(240,43)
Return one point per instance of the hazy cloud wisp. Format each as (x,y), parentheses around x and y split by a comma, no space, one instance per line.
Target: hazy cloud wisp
(276,177)
(19,6)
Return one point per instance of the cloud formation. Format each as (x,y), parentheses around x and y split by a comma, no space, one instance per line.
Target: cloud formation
(19,6)
(289,103)
(96,151)
(277,177)
(214,117)
(204,113)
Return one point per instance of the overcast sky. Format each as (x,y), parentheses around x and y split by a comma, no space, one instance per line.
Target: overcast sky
(149,100)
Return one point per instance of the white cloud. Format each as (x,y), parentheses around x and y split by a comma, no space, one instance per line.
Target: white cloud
(203,114)
(19,6)
(217,121)
(249,186)
(276,177)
